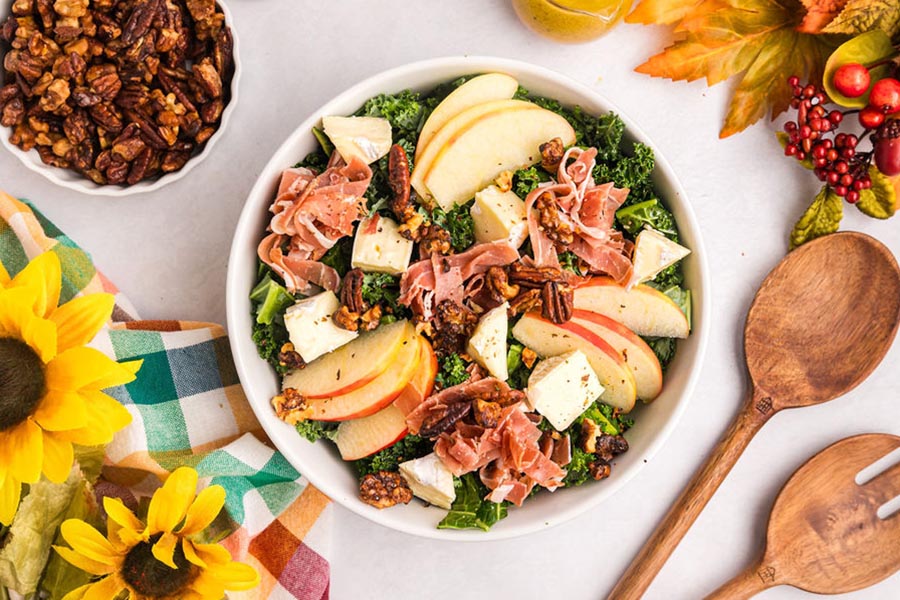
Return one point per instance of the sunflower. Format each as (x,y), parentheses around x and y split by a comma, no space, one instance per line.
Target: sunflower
(50,382)
(161,559)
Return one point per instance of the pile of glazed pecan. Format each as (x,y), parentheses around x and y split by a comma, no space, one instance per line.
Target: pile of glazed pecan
(119,91)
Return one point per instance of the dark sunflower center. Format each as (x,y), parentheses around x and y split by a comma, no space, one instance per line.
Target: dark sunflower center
(151,578)
(22,381)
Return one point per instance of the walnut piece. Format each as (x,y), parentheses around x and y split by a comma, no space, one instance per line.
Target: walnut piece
(497,283)
(549,220)
(384,489)
(552,153)
(291,407)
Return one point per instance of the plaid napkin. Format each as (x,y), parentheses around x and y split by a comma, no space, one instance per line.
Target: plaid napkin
(188,409)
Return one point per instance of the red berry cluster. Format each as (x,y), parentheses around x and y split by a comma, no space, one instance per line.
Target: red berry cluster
(834,157)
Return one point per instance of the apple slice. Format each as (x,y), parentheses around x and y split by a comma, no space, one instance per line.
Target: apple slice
(549,339)
(422,383)
(375,395)
(351,366)
(478,90)
(496,142)
(359,438)
(451,130)
(639,357)
(642,309)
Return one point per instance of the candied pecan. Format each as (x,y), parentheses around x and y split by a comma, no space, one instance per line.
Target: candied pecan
(42,84)
(599,469)
(13,112)
(149,131)
(56,95)
(80,156)
(443,419)
(453,324)
(346,319)
(223,51)
(398,181)
(204,134)
(172,161)
(8,92)
(208,78)
(71,66)
(201,10)
(104,81)
(8,29)
(105,116)
(84,98)
(47,156)
(212,111)
(609,446)
(524,302)
(533,277)
(384,489)
(486,413)
(414,227)
(497,283)
(370,319)
(288,357)
(501,395)
(71,8)
(557,302)
(434,239)
(351,291)
(107,29)
(133,96)
(21,8)
(139,21)
(23,137)
(117,171)
(549,220)
(29,67)
(529,357)
(291,407)
(552,154)
(129,148)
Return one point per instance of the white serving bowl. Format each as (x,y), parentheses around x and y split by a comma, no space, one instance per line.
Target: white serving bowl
(79,183)
(320,461)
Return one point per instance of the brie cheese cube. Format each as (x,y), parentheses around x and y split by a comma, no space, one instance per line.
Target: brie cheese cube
(488,342)
(562,387)
(429,480)
(311,329)
(653,252)
(368,138)
(499,216)
(378,246)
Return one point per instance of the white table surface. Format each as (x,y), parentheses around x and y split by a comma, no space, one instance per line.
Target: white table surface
(168,251)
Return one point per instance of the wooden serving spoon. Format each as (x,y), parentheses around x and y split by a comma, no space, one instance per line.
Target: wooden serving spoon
(820,323)
(825,535)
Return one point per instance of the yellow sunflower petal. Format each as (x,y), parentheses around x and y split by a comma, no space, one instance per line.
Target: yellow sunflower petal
(105,416)
(106,588)
(164,549)
(77,593)
(187,546)
(118,512)
(21,451)
(88,542)
(79,319)
(84,563)
(81,368)
(40,334)
(204,510)
(235,576)
(171,502)
(58,457)
(4,276)
(10,492)
(207,585)
(210,554)
(14,310)
(60,410)
(42,277)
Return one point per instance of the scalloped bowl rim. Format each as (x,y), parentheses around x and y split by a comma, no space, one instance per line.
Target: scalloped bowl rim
(320,463)
(79,183)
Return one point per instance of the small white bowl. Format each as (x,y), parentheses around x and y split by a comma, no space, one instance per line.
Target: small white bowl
(75,181)
(320,461)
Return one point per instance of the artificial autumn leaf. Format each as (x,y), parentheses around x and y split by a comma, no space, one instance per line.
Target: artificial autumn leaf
(819,13)
(661,12)
(879,201)
(726,37)
(821,218)
(865,15)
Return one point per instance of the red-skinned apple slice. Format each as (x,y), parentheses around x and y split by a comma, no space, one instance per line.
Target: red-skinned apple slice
(549,339)
(642,309)
(373,396)
(422,383)
(639,357)
(359,438)
(351,366)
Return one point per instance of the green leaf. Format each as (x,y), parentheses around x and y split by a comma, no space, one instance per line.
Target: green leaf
(867,15)
(821,218)
(783,139)
(470,510)
(866,49)
(879,201)
(324,141)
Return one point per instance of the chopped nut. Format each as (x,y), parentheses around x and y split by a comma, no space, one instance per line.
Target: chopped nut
(442,419)
(599,469)
(529,357)
(487,414)
(504,181)
(590,431)
(288,357)
(498,285)
(384,489)
(609,446)
(434,240)
(557,302)
(550,222)
(552,153)
(524,302)
(453,324)
(291,406)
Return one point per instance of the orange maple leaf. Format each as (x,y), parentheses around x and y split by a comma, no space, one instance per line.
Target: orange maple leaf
(819,13)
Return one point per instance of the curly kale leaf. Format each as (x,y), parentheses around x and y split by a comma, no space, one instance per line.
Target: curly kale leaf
(316,160)
(577,471)
(459,223)
(664,348)
(525,180)
(452,371)
(382,288)
(570,261)
(470,510)
(316,430)
(634,217)
(405,110)
(269,338)
(339,256)
(627,171)
(518,371)
(389,459)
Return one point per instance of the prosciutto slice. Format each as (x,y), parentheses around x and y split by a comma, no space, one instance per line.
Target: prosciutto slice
(589,210)
(310,214)
(428,282)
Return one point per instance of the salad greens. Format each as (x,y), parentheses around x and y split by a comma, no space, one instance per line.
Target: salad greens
(382,288)
(338,257)
(470,510)
(452,371)
(271,298)
(316,430)
(518,370)
(650,213)
(389,459)
(459,223)
(525,180)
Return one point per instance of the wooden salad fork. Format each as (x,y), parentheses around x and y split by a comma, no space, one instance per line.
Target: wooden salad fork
(825,535)
(820,323)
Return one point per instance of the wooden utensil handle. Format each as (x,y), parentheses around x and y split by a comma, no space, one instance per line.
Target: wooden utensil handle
(693,499)
(752,581)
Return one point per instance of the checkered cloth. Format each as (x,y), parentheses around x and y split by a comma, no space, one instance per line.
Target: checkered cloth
(188,409)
